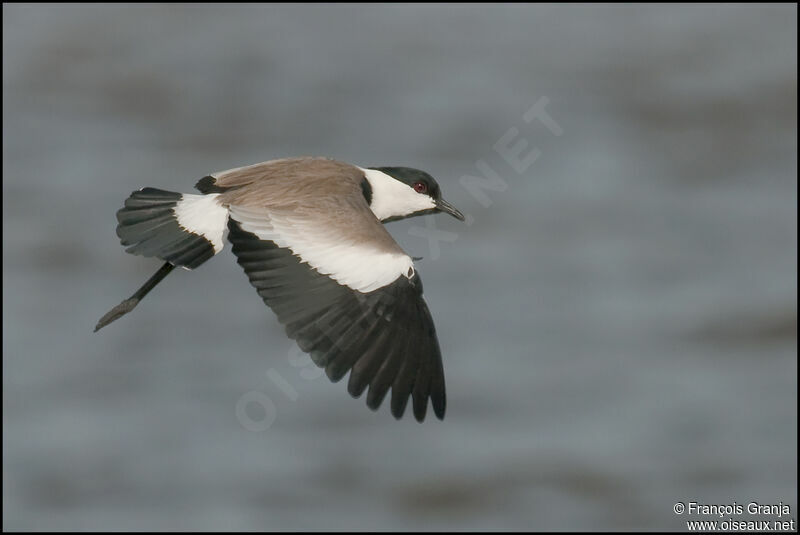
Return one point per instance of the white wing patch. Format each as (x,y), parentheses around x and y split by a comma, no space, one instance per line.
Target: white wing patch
(203,215)
(349,263)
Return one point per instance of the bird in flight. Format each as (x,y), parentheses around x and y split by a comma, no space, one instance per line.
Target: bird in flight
(308,233)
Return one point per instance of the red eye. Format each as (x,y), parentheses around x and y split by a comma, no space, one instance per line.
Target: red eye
(420,187)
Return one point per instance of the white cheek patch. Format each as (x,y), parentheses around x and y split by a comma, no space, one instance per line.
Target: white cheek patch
(203,215)
(392,198)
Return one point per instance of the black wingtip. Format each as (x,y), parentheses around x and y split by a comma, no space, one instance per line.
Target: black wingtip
(439,409)
(419,403)
(398,404)
(375,396)
(421,410)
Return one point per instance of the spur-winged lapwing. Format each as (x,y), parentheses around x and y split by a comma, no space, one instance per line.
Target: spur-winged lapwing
(308,233)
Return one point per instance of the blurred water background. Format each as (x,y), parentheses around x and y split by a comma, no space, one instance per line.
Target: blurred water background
(618,320)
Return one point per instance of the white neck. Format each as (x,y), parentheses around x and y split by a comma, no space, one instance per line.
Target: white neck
(392,198)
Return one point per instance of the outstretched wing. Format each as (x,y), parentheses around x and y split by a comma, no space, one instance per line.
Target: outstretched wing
(344,290)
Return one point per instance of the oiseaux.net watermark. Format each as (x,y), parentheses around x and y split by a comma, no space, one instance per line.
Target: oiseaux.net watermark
(735,516)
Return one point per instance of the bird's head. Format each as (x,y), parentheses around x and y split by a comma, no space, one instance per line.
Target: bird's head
(400,192)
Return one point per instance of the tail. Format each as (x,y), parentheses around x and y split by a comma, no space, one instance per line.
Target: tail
(181,229)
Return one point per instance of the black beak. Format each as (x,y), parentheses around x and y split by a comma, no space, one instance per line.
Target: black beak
(444,206)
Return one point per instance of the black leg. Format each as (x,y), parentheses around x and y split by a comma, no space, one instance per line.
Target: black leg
(129,304)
